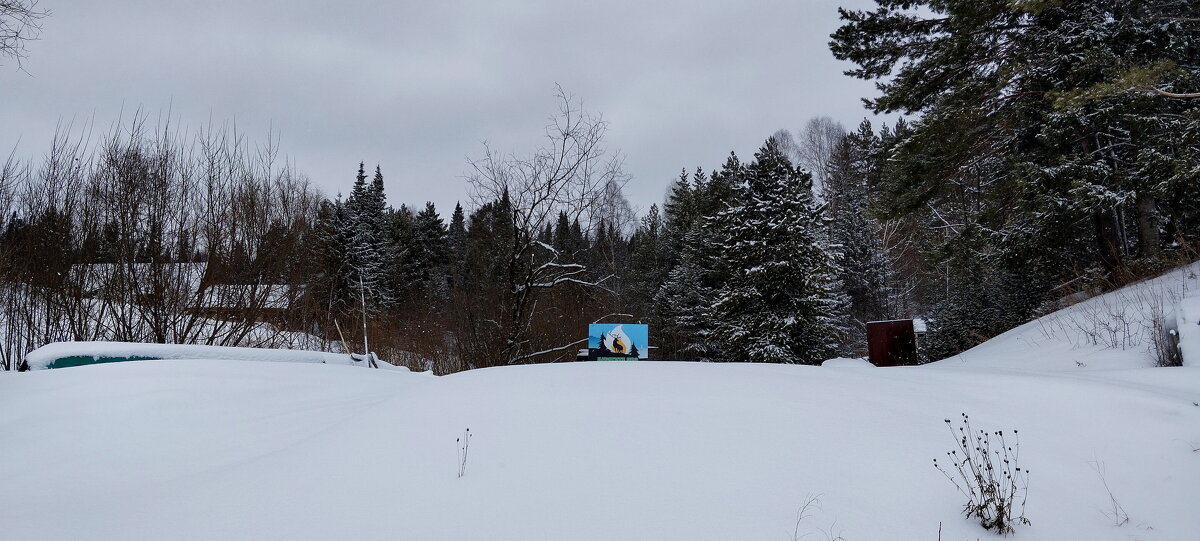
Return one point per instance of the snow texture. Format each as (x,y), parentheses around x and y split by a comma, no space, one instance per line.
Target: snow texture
(1110,331)
(846,362)
(219,449)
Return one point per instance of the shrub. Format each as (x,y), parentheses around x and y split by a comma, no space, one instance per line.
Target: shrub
(984,468)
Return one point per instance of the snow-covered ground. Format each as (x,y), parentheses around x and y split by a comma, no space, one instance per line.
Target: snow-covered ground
(1113,330)
(220,449)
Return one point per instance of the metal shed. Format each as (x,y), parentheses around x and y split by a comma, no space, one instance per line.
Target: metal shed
(892,343)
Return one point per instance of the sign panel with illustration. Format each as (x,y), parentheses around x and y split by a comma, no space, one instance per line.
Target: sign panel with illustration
(617,342)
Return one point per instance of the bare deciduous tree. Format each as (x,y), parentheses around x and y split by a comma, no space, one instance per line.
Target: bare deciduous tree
(20,22)
(815,149)
(150,235)
(817,143)
(571,175)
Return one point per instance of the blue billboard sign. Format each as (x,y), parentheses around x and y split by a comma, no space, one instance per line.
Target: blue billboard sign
(618,342)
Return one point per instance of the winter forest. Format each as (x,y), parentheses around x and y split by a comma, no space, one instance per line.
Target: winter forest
(1025,152)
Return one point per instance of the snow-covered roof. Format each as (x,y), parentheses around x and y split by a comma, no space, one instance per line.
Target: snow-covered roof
(46,355)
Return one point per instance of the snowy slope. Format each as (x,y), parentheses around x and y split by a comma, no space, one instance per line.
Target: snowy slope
(664,451)
(1113,330)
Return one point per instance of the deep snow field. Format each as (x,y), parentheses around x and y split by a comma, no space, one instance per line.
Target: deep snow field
(224,449)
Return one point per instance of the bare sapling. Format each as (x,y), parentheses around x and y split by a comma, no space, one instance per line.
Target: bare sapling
(464,444)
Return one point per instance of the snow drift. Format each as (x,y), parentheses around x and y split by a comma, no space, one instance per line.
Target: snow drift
(45,356)
(1114,330)
(220,449)
(213,449)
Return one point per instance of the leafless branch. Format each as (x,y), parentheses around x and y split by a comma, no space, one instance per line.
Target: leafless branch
(1188,95)
(20,23)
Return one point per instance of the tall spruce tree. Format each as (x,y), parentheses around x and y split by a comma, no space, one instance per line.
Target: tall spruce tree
(478,310)
(329,270)
(693,276)
(456,245)
(682,304)
(404,267)
(432,253)
(648,265)
(781,302)
(864,268)
(368,247)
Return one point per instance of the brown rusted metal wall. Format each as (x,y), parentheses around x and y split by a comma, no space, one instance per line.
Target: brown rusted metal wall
(892,343)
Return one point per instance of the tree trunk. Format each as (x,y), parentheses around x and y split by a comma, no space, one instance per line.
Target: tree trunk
(1147,221)
(1108,243)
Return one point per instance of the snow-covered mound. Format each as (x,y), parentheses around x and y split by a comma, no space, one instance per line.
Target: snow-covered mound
(847,362)
(47,355)
(217,449)
(1113,330)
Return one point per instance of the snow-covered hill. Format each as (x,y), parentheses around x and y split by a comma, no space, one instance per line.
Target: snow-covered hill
(217,449)
(228,449)
(1113,330)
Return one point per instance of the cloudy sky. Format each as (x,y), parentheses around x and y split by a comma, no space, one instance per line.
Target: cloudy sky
(417,86)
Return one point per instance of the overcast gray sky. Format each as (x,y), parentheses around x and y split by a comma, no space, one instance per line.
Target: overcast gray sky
(416,86)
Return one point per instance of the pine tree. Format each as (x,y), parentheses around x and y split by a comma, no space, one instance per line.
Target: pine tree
(432,253)
(365,236)
(648,265)
(561,236)
(329,270)
(682,305)
(1042,151)
(695,268)
(1067,144)
(865,270)
(679,213)
(478,308)
(404,267)
(782,302)
(456,245)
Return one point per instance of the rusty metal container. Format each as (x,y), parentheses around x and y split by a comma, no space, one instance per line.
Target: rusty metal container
(892,343)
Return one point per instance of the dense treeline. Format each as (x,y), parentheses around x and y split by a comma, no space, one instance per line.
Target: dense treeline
(1045,148)
(1042,155)
(159,237)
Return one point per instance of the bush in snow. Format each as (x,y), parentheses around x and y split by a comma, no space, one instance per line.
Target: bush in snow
(984,468)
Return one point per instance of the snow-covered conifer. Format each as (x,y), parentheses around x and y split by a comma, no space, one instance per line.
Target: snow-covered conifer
(781,301)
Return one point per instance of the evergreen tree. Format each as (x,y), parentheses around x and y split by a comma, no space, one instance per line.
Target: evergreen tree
(648,266)
(865,271)
(1041,149)
(682,305)
(680,212)
(456,244)
(697,270)
(329,268)
(782,302)
(478,309)
(365,232)
(404,269)
(432,253)
(562,238)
